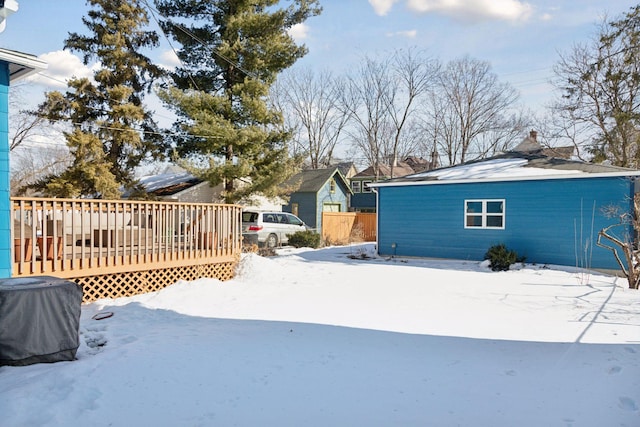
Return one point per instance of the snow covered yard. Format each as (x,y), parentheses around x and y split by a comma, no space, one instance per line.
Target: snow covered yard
(316,338)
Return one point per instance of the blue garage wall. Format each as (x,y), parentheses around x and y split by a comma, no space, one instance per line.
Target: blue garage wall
(5,211)
(306,207)
(545,220)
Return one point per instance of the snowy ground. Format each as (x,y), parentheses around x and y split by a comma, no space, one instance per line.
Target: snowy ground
(316,338)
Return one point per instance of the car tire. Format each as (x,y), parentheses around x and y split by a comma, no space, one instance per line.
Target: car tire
(272,241)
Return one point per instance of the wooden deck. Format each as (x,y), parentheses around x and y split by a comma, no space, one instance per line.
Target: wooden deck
(70,238)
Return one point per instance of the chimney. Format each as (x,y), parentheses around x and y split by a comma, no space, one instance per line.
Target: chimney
(528,145)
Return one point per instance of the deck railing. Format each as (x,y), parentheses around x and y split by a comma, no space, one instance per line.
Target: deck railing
(81,237)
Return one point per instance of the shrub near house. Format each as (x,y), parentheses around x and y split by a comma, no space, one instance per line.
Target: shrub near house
(305,239)
(501,258)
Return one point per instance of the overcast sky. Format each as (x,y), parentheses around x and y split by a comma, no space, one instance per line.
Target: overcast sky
(521,39)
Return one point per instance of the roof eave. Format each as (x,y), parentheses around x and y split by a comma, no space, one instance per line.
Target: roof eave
(583,175)
(21,65)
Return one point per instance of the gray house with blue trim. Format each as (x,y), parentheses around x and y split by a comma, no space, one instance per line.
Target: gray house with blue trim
(547,209)
(315,191)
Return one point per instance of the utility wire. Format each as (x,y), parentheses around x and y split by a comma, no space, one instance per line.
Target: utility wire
(166,37)
(52,78)
(130,129)
(199,40)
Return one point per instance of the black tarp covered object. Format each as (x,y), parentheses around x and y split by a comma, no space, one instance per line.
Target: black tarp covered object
(39,320)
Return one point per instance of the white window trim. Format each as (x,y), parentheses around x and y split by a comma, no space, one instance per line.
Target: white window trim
(333,204)
(365,187)
(353,186)
(484,214)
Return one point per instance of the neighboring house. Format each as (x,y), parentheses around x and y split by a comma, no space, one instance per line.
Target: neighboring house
(262,203)
(363,198)
(531,144)
(547,209)
(176,184)
(347,169)
(315,191)
(419,164)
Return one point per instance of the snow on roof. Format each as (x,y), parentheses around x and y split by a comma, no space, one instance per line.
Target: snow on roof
(510,166)
(155,182)
(492,169)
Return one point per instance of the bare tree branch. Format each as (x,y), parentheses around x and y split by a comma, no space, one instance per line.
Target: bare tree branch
(630,265)
(311,101)
(600,87)
(470,111)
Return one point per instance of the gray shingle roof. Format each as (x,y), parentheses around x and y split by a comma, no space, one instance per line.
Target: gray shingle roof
(312,180)
(384,171)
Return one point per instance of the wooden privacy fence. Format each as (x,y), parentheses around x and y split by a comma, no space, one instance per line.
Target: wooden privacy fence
(119,248)
(345,227)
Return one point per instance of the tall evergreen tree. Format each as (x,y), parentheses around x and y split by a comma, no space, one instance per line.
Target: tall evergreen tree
(111,132)
(231,53)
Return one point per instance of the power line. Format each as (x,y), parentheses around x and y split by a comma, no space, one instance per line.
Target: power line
(53,78)
(129,129)
(532,82)
(527,71)
(166,37)
(199,40)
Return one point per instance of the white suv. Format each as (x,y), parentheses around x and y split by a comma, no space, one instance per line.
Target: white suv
(270,228)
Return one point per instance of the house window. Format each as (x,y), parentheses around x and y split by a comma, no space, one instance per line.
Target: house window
(332,186)
(484,213)
(355,186)
(365,187)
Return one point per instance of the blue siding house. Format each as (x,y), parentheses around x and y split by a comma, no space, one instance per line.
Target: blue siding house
(315,191)
(13,66)
(547,209)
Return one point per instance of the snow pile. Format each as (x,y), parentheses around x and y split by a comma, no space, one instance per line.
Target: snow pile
(339,337)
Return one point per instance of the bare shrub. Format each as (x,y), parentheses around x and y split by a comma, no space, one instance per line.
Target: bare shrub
(629,260)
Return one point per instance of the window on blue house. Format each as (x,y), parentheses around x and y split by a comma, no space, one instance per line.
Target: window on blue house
(355,186)
(484,213)
(365,187)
